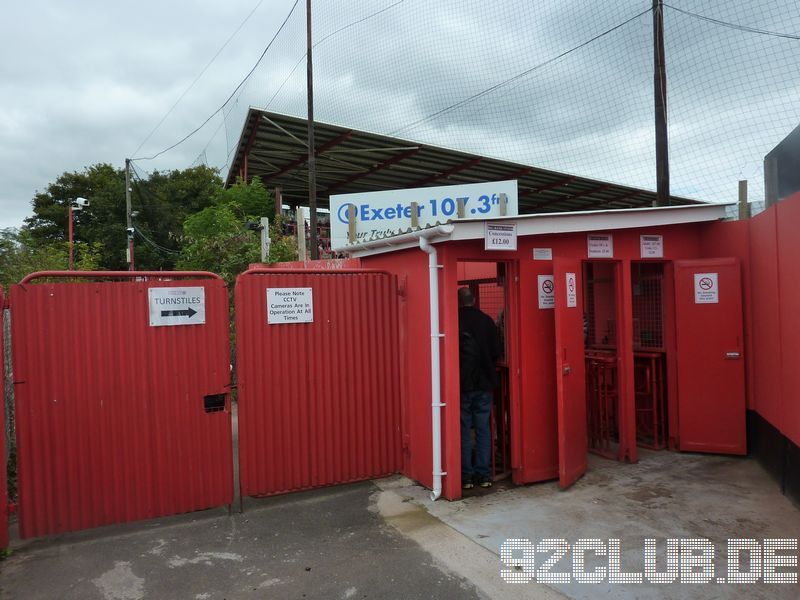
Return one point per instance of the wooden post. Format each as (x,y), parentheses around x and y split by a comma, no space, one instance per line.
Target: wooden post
(312,165)
(351,224)
(278,201)
(660,101)
(744,207)
(264,239)
(460,208)
(503,205)
(414,216)
(300,219)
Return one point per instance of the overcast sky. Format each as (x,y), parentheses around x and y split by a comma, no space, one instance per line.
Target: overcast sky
(85,82)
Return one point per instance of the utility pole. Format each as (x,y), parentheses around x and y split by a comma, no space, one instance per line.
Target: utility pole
(71,244)
(312,166)
(660,92)
(128,220)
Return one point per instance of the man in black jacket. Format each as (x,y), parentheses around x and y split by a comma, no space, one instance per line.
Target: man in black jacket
(479,349)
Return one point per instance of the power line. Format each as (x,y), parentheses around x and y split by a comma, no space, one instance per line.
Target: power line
(241,83)
(735,26)
(525,73)
(154,245)
(330,35)
(196,79)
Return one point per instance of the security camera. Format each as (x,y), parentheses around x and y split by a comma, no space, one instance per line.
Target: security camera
(82,202)
(130,231)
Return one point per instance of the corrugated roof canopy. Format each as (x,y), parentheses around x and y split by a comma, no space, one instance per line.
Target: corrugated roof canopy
(274,147)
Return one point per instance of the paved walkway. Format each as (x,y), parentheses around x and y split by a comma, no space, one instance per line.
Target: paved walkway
(328,543)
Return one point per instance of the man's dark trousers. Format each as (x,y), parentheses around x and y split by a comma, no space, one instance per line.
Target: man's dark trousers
(476,410)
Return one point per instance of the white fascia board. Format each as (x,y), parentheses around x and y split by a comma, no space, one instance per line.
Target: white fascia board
(606,220)
(434,235)
(550,223)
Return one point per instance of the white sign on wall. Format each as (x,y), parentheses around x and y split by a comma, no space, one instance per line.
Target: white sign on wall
(177,306)
(290,305)
(542,254)
(387,213)
(547,291)
(572,291)
(652,246)
(600,246)
(500,236)
(706,288)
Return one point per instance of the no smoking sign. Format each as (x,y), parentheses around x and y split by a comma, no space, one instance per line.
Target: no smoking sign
(547,296)
(706,288)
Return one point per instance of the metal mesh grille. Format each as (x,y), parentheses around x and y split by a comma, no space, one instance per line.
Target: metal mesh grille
(648,306)
(599,306)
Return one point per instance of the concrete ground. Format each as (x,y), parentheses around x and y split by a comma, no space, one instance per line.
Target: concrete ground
(385,539)
(666,495)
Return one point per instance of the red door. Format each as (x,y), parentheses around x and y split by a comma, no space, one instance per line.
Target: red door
(570,371)
(710,361)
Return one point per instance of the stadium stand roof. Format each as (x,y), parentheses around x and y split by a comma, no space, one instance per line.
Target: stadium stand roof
(274,147)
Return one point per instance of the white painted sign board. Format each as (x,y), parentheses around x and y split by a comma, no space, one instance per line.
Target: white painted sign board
(500,236)
(176,306)
(547,291)
(706,288)
(652,246)
(600,246)
(290,305)
(388,212)
(542,254)
(572,291)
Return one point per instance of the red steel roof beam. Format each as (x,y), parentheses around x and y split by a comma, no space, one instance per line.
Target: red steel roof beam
(452,171)
(374,168)
(320,149)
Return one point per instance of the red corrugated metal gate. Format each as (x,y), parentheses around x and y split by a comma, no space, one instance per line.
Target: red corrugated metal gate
(122,398)
(3,471)
(318,368)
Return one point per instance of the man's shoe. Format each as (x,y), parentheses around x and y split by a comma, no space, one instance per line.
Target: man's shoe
(485,482)
(466,483)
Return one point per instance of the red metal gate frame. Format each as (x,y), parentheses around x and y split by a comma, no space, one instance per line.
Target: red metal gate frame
(212,484)
(252,480)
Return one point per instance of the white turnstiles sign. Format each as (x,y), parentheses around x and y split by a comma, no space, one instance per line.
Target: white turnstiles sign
(177,306)
(290,305)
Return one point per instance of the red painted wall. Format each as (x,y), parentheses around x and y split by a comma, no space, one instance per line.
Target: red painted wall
(768,246)
(411,267)
(788,219)
(765,376)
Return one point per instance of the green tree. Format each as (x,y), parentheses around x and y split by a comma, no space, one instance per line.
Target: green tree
(218,238)
(162,201)
(21,255)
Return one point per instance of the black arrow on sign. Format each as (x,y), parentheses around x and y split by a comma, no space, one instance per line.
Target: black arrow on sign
(189,312)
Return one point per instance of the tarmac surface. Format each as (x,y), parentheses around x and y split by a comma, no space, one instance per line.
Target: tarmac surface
(329,543)
(385,539)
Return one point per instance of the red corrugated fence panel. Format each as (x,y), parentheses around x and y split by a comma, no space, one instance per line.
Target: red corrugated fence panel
(319,402)
(4,464)
(111,424)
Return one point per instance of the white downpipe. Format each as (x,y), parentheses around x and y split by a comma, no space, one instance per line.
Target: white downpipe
(436,387)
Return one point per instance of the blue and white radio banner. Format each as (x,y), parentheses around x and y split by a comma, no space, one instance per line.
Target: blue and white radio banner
(388,213)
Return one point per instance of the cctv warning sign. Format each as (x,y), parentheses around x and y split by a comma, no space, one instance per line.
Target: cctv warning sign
(290,305)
